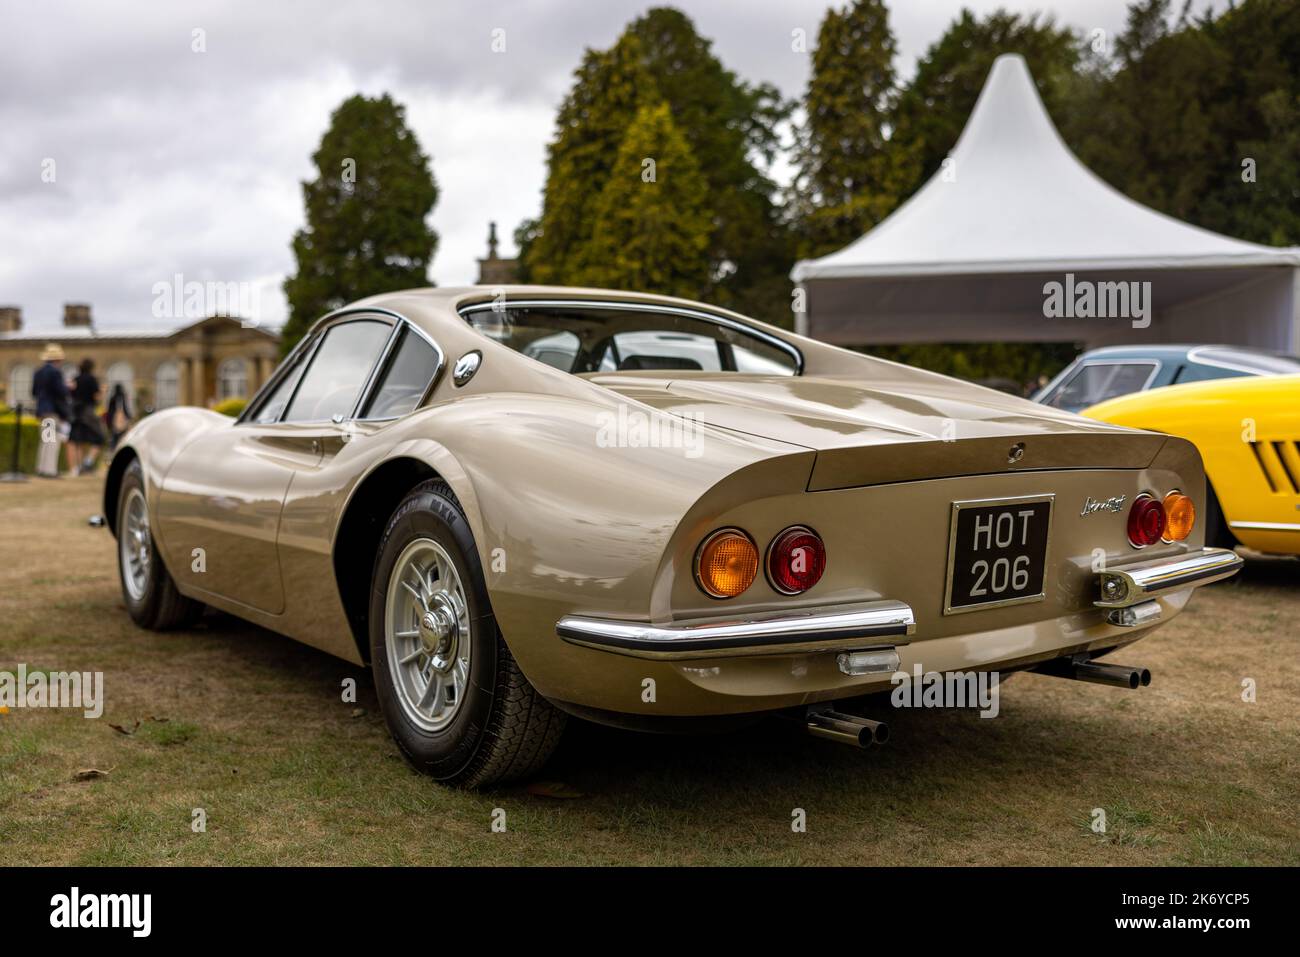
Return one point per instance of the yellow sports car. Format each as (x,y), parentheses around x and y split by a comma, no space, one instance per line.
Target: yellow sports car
(1248,432)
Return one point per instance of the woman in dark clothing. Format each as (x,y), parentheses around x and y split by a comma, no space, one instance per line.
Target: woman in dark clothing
(118,416)
(86,435)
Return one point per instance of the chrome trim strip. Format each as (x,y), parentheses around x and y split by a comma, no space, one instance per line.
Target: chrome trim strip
(1161,576)
(394,335)
(1268,526)
(788,348)
(819,629)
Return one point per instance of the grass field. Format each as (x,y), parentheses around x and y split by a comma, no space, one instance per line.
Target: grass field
(251,728)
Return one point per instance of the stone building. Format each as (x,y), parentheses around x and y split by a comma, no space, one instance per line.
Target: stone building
(495,271)
(197,363)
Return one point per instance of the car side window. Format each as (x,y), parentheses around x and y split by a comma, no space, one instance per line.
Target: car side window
(1195,372)
(338,371)
(270,409)
(1095,382)
(405,379)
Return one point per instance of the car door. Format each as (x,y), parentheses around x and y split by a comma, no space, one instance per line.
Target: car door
(222,499)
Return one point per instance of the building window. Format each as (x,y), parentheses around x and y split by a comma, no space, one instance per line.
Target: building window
(20,387)
(120,373)
(167,385)
(232,379)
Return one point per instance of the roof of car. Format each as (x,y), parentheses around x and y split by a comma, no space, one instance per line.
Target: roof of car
(428,306)
(1167,351)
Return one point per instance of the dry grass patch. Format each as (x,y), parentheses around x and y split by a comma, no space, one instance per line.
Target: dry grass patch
(250,727)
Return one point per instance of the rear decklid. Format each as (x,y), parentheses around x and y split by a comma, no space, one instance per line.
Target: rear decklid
(865,435)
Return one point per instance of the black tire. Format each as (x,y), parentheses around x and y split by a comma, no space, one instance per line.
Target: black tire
(502,729)
(158,606)
(1217,533)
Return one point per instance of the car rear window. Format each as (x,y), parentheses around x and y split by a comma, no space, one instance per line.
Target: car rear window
(599,338)
(1257,363)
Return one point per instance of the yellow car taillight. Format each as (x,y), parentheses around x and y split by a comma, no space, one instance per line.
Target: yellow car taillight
(1180,516)
(726,563)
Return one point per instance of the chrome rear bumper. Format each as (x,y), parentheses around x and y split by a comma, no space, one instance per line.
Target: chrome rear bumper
(1128,585)
(876,624)
(841,628)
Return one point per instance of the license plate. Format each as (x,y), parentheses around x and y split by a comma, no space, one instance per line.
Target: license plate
(997,552)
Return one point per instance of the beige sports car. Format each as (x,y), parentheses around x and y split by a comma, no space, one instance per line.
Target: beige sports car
(523,504)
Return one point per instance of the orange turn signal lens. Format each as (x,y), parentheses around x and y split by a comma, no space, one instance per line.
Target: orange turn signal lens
(1180,516)
(726,563)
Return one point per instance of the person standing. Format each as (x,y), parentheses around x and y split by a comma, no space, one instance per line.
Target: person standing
(86,435)
(118,416)
(53,406)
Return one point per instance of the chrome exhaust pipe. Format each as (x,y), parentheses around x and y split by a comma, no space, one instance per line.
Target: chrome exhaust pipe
(1117,676)
(848,729)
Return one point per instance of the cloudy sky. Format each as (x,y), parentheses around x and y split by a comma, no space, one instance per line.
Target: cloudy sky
(169,162)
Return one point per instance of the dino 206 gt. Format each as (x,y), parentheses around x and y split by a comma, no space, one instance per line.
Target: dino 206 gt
(648,512)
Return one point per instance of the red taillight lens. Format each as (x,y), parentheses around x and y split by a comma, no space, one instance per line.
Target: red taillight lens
(795,560)
(1146,522)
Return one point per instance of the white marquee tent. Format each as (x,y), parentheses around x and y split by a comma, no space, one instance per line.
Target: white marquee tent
(969,257)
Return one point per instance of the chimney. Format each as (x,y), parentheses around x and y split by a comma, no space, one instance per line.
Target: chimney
(76,314)
(11,319)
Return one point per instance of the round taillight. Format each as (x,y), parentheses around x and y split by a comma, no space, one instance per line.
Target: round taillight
(726,563)
(1146,521)
(1180,516)
(795,560)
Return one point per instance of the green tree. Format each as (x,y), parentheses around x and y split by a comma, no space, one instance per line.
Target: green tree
(934,107)
(651,227)
(366,229)
(1200,118)
(848,177)
(609,87)
(1013,366)
(729,126)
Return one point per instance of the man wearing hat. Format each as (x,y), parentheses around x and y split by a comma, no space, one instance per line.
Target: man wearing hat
(51,394)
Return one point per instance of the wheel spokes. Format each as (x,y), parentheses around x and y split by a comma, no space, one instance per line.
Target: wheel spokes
(427,631)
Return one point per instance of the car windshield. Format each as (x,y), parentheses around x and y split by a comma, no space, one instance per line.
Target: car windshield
(581,340)
(1095,382)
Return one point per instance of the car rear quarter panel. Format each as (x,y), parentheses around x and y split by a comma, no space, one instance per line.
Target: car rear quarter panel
(887,542)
